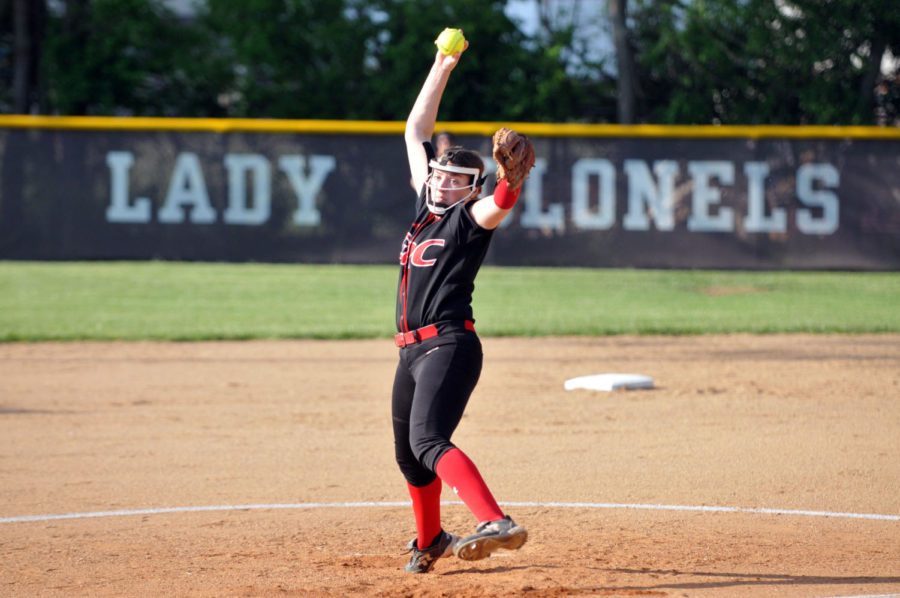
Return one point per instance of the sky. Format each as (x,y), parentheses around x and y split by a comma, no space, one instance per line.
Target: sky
(593,24)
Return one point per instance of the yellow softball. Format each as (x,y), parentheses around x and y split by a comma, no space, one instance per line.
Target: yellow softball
(450,41)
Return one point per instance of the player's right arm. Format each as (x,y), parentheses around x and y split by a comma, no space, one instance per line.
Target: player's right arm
(423,116)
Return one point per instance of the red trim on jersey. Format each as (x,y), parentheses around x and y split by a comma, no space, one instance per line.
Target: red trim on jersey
(406,262)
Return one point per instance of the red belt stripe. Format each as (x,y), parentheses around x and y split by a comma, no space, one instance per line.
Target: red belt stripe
(422,334)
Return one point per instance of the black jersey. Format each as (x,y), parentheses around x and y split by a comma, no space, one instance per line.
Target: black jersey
(439,259)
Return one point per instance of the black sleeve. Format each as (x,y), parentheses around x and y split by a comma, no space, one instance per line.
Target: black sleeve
(429,155)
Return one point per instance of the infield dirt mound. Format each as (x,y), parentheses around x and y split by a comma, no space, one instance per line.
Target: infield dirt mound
(794,422)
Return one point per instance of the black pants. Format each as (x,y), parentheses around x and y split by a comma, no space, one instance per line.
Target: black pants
(432,386)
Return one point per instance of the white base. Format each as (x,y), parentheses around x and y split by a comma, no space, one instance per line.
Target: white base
(610,382)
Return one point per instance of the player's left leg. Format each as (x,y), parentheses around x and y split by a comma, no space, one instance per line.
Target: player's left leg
(446,375)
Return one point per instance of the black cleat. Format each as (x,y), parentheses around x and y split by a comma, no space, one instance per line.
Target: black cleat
(423,560)
(489,537)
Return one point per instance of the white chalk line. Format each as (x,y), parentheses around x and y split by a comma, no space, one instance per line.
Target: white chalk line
(363,505)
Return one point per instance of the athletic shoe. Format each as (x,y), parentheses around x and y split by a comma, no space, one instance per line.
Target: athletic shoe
(490,536)
(423,560)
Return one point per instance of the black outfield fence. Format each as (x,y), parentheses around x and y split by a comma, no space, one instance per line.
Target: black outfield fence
(82,188)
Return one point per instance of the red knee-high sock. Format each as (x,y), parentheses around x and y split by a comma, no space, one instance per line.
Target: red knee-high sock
(426,501)
(455,468)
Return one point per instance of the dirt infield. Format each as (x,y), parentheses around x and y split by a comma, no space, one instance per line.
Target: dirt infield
(229,469)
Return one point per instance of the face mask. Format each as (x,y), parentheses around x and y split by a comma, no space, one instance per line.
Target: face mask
(433,206)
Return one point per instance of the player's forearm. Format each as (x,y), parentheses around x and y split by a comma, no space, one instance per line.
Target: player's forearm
(423,116)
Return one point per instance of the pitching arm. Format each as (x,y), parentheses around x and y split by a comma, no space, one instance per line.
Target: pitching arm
(423,116)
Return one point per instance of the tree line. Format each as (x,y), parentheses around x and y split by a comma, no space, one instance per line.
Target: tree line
(734,62)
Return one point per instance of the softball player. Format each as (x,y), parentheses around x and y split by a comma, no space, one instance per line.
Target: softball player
(440,354)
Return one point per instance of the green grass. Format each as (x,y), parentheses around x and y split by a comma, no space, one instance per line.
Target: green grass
(190,301)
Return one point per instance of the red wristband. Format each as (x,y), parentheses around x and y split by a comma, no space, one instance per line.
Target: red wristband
(503,197)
